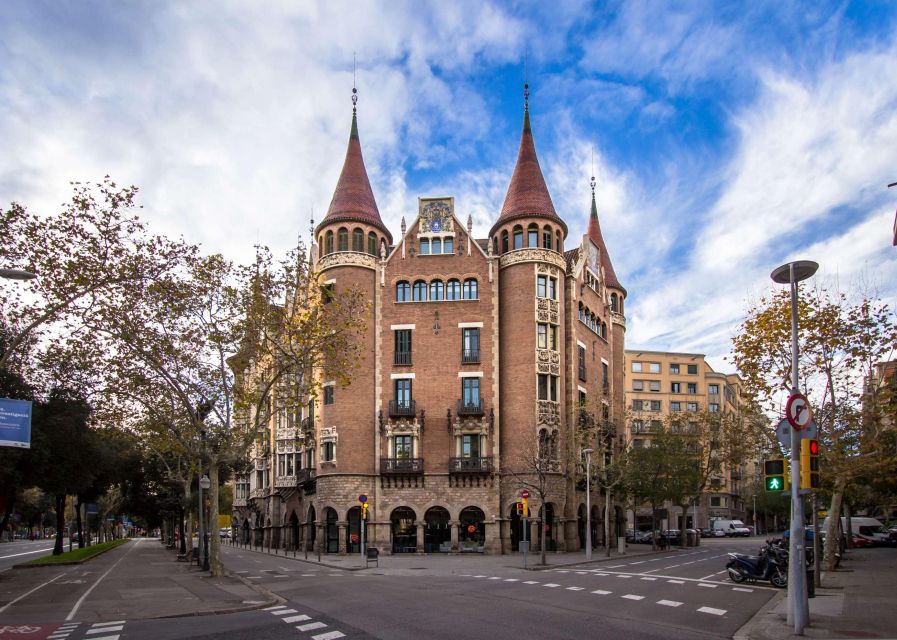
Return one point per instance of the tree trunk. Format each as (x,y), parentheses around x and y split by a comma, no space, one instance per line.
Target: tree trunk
(214,540)
(60,523)
(78,522)
(848,530)
(607,523)
(542,531)
(182,532)
(832,537)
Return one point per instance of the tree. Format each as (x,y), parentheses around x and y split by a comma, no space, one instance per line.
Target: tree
(209,353)
(86,256)
(840,342)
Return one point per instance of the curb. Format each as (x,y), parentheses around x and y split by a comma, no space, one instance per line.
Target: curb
(744,633)
(593,561)
(297,559)
(273,599)
(69,563)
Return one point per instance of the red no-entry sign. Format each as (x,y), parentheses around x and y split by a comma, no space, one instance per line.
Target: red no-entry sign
(524,493)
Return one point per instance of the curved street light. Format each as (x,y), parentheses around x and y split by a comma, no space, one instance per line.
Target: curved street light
(17,274)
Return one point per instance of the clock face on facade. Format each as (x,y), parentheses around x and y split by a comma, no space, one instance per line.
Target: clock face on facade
(593,259)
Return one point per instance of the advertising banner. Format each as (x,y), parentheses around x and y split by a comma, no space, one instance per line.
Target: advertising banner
(15,423)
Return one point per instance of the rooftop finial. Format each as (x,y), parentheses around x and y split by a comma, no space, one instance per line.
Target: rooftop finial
(525,80)
(311,224)
(354,90)
(592,183)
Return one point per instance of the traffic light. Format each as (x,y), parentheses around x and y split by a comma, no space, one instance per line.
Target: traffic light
(809,464)
(364,510)
(776,475)
(525,506)
(520,509)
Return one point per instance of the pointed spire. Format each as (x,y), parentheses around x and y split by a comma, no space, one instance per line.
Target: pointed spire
(528,194)
(353,199)
(594,233)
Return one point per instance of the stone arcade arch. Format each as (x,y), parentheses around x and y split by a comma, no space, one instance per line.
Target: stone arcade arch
(472,533)
(438,531)
(331,530)
(403,530)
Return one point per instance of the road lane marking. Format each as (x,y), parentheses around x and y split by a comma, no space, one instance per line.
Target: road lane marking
(673,566)
(311,626)
(709,586)
(669,603)
(616,566)
(512,579)
(274,608)
(648,578)
(479,576)
(284,612)
(561,571)
(106,624)
(630,596)
(330,635)
(300,618)
(550,585)
(711,610)
(602,592)
(103,629)
(574,588)
(27,553)
(99,580)
(639,562)
(623,575)
(530,582)
(677,581)
(495,578)
(28,593)
(742,589)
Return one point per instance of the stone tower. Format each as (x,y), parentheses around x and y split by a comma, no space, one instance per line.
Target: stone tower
(529,237)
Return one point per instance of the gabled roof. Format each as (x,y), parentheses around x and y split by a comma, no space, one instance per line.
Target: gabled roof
(594,233)
(353,199)
(527,194)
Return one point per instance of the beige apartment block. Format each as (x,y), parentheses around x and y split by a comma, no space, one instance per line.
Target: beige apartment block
(660,384)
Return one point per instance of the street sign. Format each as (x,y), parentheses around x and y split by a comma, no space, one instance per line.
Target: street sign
(524,493)
(362,498)
(783,433)
(15,423)
(797,410)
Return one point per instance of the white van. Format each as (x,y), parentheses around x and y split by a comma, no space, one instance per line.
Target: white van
(869,528)
(731,527)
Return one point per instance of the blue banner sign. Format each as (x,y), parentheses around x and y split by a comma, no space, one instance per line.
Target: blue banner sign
(15,423)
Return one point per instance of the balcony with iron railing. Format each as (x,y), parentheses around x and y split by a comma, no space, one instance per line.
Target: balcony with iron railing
(304,476)
(402,408)
(401,466)
(402,358)
(470,356)
(470,465)
(470,407)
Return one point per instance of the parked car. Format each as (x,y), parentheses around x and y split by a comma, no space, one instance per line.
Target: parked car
(224,534)
(862,541)
(674,536)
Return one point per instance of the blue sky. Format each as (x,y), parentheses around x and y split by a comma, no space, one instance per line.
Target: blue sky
(728,138)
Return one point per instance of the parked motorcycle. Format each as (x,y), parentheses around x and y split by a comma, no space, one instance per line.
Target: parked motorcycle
(770,565)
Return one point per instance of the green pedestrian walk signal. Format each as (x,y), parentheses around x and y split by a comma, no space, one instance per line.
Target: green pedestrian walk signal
(776,478)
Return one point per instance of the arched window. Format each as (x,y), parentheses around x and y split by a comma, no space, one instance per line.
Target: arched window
(420,291)
(532,236)
(504,241)
(453,290)
(546,237)
(403,291)
(437,246)
(621,304)
(613,302)
(424,247)
(518,237)
(470,289)
(557,237)
(437,290)
(357,240)
(372,243)
(321,241)
(343,239)
(328,243)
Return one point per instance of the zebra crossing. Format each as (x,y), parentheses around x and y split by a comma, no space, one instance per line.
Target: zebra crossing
(97,631)
(307,624)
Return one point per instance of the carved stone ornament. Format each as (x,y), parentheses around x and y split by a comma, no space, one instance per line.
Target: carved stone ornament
(549,269)
(328,434)
(548,413)
(347,259)
(471,425)
(546,256)
(436,215)
(402,427)
(618,318)
(547,310)
(285,447)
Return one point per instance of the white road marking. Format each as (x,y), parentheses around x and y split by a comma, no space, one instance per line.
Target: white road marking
(274,608)
(581,573)
(561,571)
(742,589)
(299,618)
(709,586)
(28,593)
(574,588)
(677,581)
(630,596)
(106,624)
(479,576)
(672,566)
(692,562)
(648,578)
(241,572)
(330,635)
(550,585)
(512,579)
(284,612)
(639,562)
(602,592)
(530,582)
(616,566)
(716,612)
(495,578)
(311,626)
(308,575)
(115,637)
(623,575)
(99,580)
(669,603)
(103,630)
(253,577)
(26,553)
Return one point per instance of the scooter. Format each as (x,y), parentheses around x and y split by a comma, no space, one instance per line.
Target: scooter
(771,565)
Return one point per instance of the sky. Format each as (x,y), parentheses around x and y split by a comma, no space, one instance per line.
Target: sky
(725,138)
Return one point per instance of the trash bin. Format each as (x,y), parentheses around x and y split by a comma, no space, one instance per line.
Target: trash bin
(689,538)
(811,582)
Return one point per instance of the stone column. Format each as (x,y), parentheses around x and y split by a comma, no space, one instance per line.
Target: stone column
(492,542)
(420,524)
(341,527)
(454,525)
(534,525)
(505,530)
(320,537)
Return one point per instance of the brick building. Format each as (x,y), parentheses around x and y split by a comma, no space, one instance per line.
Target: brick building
(478,355)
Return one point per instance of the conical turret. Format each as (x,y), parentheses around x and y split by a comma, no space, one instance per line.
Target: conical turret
(594,233)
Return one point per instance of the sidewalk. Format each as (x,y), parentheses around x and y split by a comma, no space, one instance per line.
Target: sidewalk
(857,601)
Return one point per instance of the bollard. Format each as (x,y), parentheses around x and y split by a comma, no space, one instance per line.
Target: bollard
(621,545)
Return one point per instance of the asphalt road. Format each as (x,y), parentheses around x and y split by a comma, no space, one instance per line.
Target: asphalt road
(678,594)
(18,551)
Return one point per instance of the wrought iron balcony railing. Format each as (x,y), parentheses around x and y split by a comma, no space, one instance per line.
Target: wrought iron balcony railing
(470,356)
(470,407)
(470,465)
(402,408)
(402,357)
(401,466)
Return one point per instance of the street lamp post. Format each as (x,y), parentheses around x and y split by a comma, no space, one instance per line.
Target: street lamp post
(588,455)
(754,498)
(17,274)
(798,611)
(203,542)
